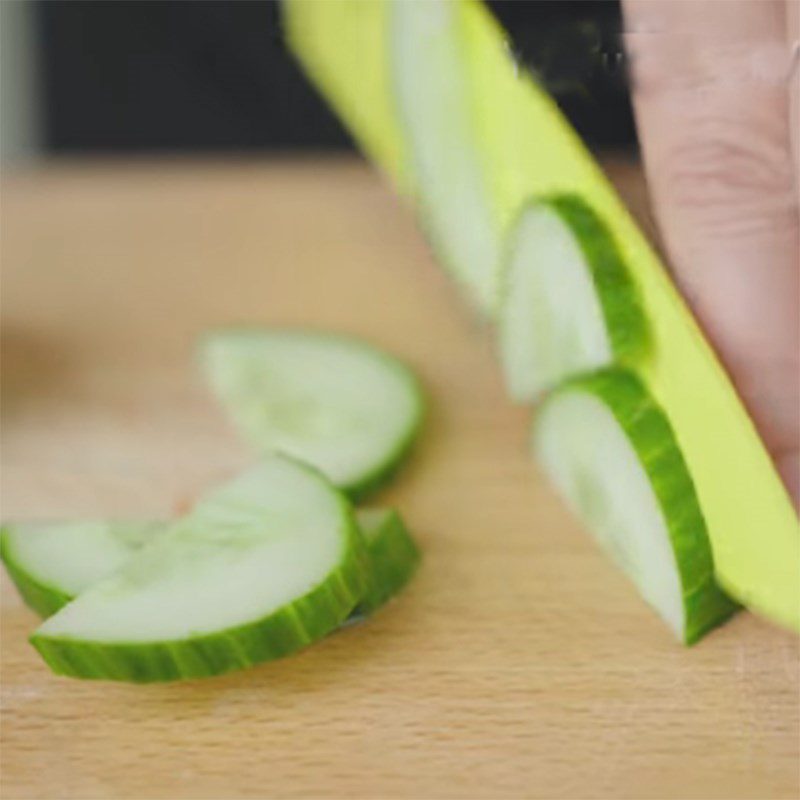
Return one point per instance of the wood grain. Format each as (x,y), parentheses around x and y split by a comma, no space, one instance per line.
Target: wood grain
(519,664)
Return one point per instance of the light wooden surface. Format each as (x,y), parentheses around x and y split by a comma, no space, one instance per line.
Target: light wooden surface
(519,663)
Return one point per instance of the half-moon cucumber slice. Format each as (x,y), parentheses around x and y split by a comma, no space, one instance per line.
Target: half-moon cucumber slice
(431,82)
(393,556)
(262,567)
(568,303)
(331,401)
(613,456)
(53,562)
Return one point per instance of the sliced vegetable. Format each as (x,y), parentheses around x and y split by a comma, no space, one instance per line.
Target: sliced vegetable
(612,454)
(334,402)
(53,562)
(527,148)
(568,303)
(431,83)
(392,553)
(265,565)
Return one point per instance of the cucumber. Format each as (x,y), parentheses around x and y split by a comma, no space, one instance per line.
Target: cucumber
(431,85)
(393,556)
(525,147)
(613,456)
(332,401)
(260,568)
(569,304)
(51,563)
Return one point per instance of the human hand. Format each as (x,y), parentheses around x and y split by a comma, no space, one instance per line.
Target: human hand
(712,84)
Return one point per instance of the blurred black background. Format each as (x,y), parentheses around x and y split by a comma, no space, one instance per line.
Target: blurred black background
(214,74)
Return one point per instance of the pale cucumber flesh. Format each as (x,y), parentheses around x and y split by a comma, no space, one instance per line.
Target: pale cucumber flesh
(52,562)
(433,101)
(613,456)
(568,303)
(261,567)
(65,559)
(331,401)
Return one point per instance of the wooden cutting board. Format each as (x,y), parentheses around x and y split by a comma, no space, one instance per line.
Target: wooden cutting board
(519,664)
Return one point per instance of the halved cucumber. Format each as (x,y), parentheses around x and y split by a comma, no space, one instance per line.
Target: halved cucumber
(332,401)
(52,562)
(265,565)
(431,82)
(392,553)
(568,302)
(612,454)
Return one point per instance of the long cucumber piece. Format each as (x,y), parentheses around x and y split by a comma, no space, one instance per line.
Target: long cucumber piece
(52,563)
(334,402)
(613,455)
(262,567)
(528,149)
(569,304)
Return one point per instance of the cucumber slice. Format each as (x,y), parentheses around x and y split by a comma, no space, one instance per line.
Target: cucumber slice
(431,82)
(265,565)
(612,454)
(51,563)
(334,402)
(392,553)
(569,304)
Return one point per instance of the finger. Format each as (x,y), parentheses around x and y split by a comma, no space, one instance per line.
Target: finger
(712,108)
(793,41)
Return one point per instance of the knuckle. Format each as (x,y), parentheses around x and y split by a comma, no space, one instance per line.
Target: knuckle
(733,178)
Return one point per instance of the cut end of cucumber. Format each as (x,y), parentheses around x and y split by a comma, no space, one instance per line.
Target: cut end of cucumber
(260,568)
(51,563)
(331,401)
(433,99)
(393,556)
(613,456)
(568,302)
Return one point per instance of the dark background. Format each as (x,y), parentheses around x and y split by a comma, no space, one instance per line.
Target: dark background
(206,75)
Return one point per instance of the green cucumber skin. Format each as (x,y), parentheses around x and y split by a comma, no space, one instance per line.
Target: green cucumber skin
(647,428)
(41,598)
(394,558)
(622,307)
(286,631)
(382,473)
(619,299)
